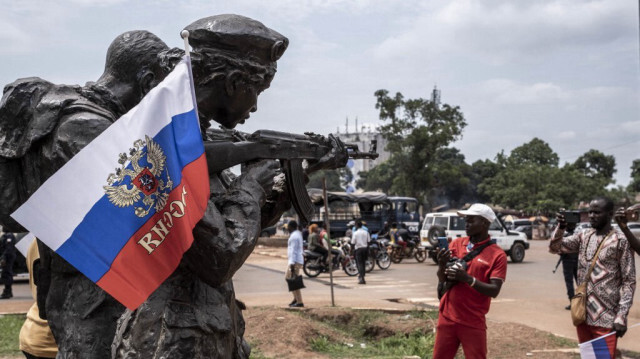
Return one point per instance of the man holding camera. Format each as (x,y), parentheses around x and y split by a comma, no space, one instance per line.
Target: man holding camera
(471,272)
(612,283)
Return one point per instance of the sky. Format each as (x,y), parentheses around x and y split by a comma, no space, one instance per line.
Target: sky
(565,71)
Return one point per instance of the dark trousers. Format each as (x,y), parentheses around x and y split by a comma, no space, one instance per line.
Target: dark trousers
(570,272)
(7,273)
(361,257)
(323,251)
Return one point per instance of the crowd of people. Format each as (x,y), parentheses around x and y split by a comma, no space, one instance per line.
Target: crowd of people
(472,270)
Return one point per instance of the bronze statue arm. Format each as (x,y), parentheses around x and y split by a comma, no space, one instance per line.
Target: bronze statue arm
(227,234)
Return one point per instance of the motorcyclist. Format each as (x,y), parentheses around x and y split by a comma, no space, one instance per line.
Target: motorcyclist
(384,231)
(403,236)
(315,242)
(393,237)
(328,243)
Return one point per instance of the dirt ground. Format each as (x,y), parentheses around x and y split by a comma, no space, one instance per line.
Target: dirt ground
(282,333)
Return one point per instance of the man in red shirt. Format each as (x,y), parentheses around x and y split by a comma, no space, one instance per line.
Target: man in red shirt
(466,288)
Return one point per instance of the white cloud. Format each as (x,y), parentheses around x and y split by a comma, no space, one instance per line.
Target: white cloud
(566,135)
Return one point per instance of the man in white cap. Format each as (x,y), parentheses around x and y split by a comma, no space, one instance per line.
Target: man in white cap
(471,272)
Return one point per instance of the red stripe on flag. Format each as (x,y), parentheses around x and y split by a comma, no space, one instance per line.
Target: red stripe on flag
(139,269)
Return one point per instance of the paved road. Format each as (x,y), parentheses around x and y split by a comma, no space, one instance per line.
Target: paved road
(532,294)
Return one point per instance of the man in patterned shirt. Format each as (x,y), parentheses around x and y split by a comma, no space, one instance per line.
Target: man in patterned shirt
(612,283)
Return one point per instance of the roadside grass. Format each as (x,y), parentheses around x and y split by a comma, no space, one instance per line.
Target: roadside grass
(416,343)
(397,346)
(256,353)
(562,341)
(9,330)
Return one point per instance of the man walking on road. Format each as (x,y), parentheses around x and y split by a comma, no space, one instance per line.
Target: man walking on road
(467,285)
(7,257)
(296,260)
(360,241)
(569,266)
(612,283)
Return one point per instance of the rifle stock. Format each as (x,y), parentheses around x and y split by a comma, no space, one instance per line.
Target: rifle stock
(232,148)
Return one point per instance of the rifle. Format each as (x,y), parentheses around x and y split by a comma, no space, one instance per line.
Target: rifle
(227,148)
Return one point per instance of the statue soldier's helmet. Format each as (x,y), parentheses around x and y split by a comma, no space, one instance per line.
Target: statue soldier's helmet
(238,36)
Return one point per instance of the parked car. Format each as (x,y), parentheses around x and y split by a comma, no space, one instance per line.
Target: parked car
(268,232)
(526,229)
(582,226)
(450,225)
(513,224)
(635,228)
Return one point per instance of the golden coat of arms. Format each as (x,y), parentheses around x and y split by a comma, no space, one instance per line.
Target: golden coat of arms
(140,176)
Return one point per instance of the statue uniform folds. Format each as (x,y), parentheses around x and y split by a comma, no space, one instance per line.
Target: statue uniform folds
(194,314)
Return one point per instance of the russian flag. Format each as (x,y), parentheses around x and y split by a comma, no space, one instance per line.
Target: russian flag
(122,210)
(596,348)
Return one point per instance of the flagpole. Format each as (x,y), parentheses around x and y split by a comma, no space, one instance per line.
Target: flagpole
(185,36)
(187,53)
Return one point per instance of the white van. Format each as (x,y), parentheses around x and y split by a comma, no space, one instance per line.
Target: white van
(450,225)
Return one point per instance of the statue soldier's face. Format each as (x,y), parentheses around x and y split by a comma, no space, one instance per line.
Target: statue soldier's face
(233,104)
(242,102)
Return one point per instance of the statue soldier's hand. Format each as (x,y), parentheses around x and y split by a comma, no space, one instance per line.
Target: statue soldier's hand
(263,172)
(336,158)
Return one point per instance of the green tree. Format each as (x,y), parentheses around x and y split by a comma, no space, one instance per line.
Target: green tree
(529,179)
(452,177)
(481,170)
(634,185)
(597,166)
(417,132)
(336,179)
(526,179)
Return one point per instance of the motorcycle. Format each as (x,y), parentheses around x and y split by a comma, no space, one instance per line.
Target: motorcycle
(413,249)
(314,265)
(378,252)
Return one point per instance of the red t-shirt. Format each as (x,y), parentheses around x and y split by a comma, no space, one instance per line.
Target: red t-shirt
(463,304)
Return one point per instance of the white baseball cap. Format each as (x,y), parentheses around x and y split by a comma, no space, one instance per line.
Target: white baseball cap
(479,209)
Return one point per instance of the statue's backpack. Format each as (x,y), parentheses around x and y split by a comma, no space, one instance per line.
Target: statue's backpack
(29,110)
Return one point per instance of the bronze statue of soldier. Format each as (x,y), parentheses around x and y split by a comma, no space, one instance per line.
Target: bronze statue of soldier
(43,125)
(194,313)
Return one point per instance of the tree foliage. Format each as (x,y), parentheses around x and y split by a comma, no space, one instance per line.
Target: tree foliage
(418,132)
(634,185)
(597,166)
(336,179)
(529,178)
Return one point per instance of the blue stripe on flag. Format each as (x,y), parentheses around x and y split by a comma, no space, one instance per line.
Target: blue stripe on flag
(600,349)
(595,349)
(106,228)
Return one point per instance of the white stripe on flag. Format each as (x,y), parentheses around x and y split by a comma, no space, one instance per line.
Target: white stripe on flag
(597,348)
(24,243)
(79,183)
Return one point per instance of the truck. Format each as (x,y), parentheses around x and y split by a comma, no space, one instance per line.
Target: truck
(451,226)
(374,208)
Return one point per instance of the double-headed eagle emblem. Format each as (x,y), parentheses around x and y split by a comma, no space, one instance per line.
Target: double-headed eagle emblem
(144,181)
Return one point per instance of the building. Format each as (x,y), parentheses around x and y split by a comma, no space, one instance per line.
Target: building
(364,137)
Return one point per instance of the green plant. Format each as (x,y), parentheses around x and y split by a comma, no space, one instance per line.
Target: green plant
(9,331)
